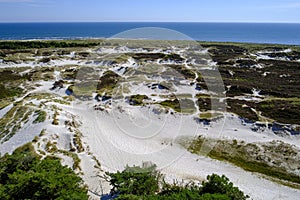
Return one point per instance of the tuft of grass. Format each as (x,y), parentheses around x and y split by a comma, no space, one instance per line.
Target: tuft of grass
(51,147)
(41,116)
(55,120)
(74,156)
(184,106)
(77,141)
(13,120)
(136,100)
(210,115)
(108,82)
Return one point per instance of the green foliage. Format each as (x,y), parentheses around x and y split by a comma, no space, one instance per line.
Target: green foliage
(146,183)
(174,104)
(41,116)
(44,44)
(108,82)
(220,185)
(187,73)
(184,106)
(255,166)
(135,181)
(24,176)
(137,100)
(247,156)
(6,92)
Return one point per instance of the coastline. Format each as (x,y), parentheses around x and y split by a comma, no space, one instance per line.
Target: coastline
(270,33)
(98,39)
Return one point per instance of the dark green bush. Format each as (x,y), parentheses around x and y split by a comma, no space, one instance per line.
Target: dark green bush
(146,183)
(24,176)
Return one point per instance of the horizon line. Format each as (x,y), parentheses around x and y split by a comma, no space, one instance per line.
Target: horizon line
(245,22)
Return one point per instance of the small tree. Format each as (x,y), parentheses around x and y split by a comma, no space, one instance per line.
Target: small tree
(220,185)
(145,183)
(23,175)
(135,180)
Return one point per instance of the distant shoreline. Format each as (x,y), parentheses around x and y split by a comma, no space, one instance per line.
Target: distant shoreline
(102,38)
(254,33)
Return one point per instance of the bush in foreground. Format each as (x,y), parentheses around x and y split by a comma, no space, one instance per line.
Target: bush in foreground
(146,183)
(24,176)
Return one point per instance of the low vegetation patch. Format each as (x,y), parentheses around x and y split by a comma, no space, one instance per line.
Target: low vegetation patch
(182,70)
(136,100)
(23,175)
(41,116)
(146,183)
(210,116)
(45,44)
(185,106)
(13,120)
(283,111)
(275,159)
(108,82)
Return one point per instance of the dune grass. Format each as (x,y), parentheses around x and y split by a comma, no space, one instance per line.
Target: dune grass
(248,157)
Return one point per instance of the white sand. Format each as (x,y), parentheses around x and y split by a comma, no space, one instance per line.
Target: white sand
(115,139)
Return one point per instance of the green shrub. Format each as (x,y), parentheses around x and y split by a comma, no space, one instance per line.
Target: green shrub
(220,185)
(24,176)
(146,183)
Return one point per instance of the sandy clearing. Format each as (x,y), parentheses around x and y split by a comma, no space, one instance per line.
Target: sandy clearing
(112,138)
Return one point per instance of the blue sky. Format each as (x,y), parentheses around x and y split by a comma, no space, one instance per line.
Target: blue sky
(150,10)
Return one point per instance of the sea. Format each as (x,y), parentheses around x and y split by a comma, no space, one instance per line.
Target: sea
(271,33)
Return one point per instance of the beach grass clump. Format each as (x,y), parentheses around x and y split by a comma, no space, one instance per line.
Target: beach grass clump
(108,82)
(204,102)
(69,73)
(184,106)
(13,120)
(209,116)
(4,103)
(41,116)
(51,147)
(77,141)
(55,120)
(10,82)
(61,101)
(74,156)
(41,73)
(253,166)
(83,89)
(18,57)
(137,100)
(274,159)
(8,92)
(174,104)
(182,70)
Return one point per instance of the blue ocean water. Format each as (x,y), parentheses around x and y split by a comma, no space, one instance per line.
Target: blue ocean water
(277,33)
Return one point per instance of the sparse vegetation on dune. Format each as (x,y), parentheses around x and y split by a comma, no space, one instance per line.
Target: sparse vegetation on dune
(41,116)
(276,159)
(108,82)
(136,100)
(184,106)
(12,122)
